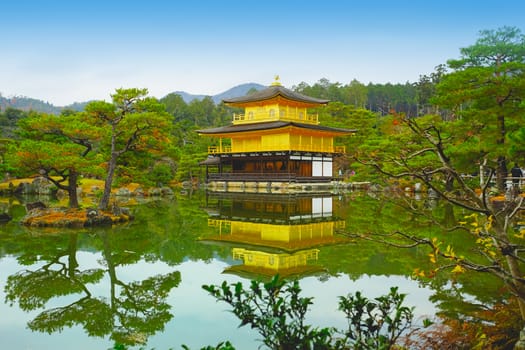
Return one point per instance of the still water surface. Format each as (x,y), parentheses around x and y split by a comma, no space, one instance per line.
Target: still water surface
(140,283)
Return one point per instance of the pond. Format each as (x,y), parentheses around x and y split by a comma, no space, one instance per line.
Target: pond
(140,283)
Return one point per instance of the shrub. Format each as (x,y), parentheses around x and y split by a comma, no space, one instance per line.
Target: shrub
(276,310)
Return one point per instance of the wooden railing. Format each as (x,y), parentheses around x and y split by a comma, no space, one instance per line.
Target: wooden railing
(219,150)
(218,222)
(266,116)
(518,182)
(304,148)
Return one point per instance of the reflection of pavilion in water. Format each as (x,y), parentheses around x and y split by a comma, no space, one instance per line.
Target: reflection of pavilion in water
(274,234)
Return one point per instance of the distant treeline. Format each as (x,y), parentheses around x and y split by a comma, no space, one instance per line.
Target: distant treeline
(412,99)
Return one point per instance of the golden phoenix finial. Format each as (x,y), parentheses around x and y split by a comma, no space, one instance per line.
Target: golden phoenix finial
(276,82)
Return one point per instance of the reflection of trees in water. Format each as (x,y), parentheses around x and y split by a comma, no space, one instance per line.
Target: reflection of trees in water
(140,308)
(372,221)
(135,310)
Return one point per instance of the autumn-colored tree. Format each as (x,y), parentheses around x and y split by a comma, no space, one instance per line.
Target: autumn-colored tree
(489,328)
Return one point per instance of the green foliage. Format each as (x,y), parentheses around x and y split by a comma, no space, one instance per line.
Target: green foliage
(516,141)
(188,166)
(378,98)
(378,323)
(134,123)
(392,98)
(221,346)
(59,148)
(485,89)
(176,106)
(425,91)
(8,121)
(198,113)
(161,174)
(6,148)
(357,94)
(277,311)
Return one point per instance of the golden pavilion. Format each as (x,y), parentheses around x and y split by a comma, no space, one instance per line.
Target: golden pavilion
(276,141)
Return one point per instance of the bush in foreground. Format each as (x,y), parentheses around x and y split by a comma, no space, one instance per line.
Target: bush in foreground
(277,311)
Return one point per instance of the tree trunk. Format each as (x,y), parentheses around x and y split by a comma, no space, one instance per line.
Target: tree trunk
(513,265)
(72,189)
(110,268)
(449,183)
(518,289)
(72,255)
(515,272)
(501,170)
(501,174)
(104,201)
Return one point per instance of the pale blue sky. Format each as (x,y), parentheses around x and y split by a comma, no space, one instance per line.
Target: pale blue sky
(68,51)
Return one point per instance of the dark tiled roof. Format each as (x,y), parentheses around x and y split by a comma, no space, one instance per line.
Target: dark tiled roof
(269,126)
(274,91)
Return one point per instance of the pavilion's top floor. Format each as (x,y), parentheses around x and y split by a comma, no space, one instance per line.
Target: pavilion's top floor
(275,103)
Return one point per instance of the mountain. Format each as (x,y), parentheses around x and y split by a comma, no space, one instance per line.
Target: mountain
(27,104)
(30,104)
(187,97)
(236,91)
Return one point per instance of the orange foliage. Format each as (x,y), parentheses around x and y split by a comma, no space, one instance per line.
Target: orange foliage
(493,329)
(67,218)
(497,199)
(58,218)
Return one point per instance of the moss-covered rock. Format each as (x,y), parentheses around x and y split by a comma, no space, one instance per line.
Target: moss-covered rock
(59,217)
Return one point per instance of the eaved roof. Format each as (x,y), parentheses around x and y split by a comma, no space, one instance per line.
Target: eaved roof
(269,126)
(272,92)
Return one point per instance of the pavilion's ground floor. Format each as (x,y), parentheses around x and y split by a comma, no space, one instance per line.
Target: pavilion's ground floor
(271,171)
